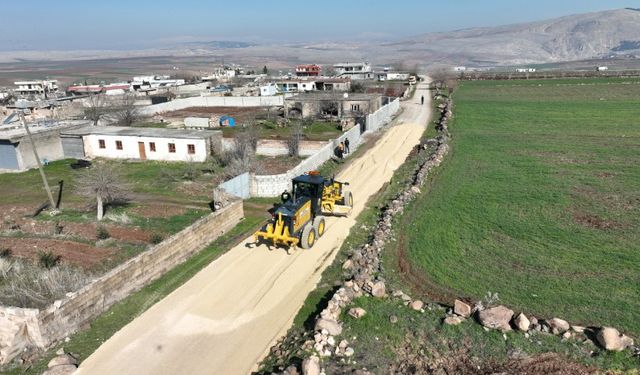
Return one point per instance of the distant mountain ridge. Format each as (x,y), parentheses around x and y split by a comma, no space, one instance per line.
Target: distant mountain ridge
(575,37)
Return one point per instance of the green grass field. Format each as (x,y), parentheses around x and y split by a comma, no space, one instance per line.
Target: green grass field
(538,201)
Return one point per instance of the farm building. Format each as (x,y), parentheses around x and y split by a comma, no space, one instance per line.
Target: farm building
(16,151)
(115,142)
(347,108)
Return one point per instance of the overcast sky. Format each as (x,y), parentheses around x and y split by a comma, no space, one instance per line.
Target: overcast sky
(128,24)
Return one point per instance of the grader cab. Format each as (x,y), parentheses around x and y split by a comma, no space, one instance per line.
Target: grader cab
(300,220)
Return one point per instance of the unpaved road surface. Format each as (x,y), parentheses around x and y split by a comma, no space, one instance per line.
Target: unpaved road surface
(224,320)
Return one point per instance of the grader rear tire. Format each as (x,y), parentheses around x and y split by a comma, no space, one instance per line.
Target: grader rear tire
(320,225)
(308,237)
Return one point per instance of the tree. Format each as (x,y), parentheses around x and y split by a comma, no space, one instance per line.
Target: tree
(265,70)
(104,183)
(357,87)
(96,108)
(125,111)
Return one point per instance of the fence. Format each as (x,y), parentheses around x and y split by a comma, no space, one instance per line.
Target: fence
(274,185)
(213,101)
(21,328)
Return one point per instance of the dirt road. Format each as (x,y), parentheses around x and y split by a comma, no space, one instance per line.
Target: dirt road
(224,320)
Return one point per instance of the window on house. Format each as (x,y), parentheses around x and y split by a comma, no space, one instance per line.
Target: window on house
(172,147)
(101,143)
(191,149)
(152,146)
(118,145)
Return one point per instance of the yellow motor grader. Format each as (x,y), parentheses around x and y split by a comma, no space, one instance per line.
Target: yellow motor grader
(300,220)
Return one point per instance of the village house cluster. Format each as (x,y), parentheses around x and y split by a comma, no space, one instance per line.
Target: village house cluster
(344,93)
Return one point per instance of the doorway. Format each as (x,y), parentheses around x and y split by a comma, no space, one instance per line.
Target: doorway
(143,152)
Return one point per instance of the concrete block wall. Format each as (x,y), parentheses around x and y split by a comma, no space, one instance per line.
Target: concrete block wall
(213,101)
(28,327)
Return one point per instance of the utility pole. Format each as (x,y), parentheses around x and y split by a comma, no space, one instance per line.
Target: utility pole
(35,153)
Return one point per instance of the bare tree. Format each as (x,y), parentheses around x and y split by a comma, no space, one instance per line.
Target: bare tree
(104,183)
(96,108)
(242,157)
(125,111)
(293,143)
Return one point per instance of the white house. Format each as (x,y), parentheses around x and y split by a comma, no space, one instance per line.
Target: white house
(525,70)
(36,87)
(354,70)
(459,68)
(602,68)
(115,142)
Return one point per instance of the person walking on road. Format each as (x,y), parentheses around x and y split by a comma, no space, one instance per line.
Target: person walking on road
(347,150)
(422,100)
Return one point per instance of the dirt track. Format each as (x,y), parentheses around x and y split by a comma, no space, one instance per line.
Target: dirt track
(224,320)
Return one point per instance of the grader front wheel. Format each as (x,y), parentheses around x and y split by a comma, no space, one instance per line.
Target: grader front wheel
(348,199)
(308,237)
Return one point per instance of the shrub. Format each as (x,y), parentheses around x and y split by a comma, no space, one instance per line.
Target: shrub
(48,259)
(5,252)
(102,233)
(156,238)
(27,285)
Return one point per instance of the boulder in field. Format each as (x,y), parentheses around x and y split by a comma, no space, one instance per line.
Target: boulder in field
(311,366)
(357,312)
(522,322)
(417,305)
(610,339)
(496,318)
(332,327)
(453,320)
(462,308)
(558,326)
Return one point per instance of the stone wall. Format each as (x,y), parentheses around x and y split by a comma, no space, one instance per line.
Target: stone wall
(20,328)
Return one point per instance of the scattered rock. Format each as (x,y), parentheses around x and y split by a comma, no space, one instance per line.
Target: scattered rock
(609,338)
(378,289)
(558,326)
(578,329)
(348,352)
(566,335)
(311,366)
(332,327)
(461,308)
(453,320)
(627,341)
(417,305)
(393,319)
(347,265)
(291,370)
(62,360)
(496,318)
(61,370)
(415,189)
(522,322)
(357,312)
(362,372)
(331,341)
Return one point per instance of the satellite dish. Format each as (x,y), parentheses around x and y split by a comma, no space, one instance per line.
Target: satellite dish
(346,95)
